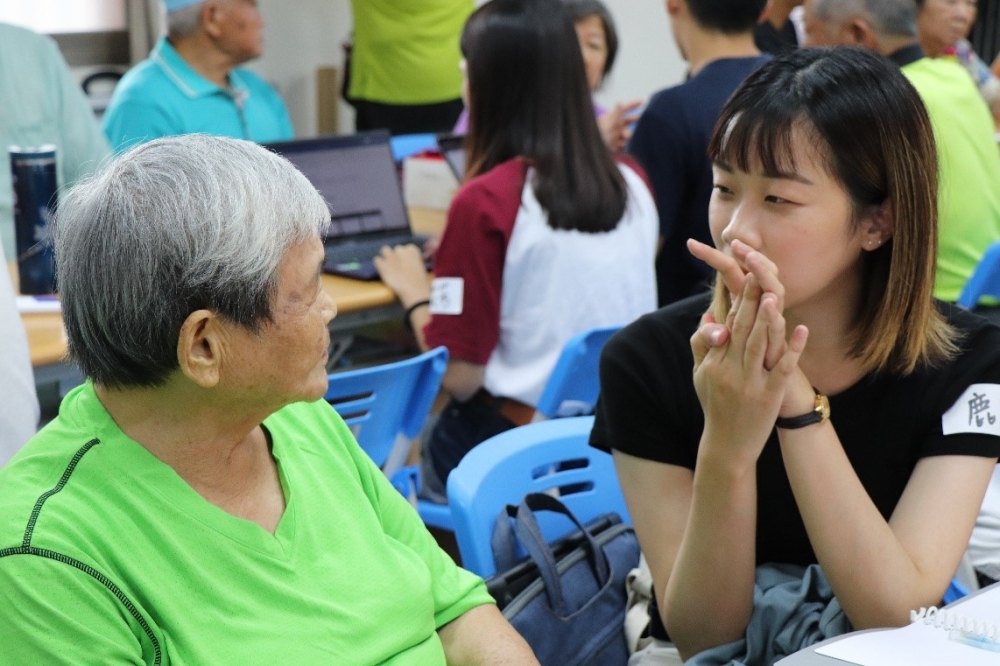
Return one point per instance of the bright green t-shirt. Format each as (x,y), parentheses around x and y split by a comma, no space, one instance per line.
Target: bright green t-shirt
(108,557)
(406,52)
(969,189)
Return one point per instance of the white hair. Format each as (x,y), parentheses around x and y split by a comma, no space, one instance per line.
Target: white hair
(167,228)
(888,18)
(185,21)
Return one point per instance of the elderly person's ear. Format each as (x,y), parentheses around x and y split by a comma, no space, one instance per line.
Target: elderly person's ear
(199,348)
(211,13)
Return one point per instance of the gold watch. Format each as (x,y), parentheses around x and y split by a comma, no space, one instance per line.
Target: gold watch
(820,412)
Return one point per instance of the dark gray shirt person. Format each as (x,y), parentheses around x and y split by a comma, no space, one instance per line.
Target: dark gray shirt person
(670,143)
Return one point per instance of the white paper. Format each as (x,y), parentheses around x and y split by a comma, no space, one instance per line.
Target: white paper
(37,304)
(447,294)
(921,644)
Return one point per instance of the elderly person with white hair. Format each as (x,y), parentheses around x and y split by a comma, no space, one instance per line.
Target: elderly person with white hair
(196,501)
(192,82)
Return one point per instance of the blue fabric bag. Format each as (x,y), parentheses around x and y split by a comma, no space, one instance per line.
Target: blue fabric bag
(568,598)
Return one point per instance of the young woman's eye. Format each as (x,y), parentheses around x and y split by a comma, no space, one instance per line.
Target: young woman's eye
(722,189)
(775,199)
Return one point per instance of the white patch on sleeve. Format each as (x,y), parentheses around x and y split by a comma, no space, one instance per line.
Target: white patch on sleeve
(446,295)
(976,411)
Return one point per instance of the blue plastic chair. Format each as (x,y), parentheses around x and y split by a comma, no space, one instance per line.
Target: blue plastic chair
(574,384)
(387,402)
(407,481)
(407,145)
(985,280)
(547,456)
(571,390)
(954,592)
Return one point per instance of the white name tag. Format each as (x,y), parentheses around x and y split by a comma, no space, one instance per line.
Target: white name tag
(446,295)
(976,411)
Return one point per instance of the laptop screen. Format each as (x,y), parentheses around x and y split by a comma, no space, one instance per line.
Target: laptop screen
(452,146)
(358,178)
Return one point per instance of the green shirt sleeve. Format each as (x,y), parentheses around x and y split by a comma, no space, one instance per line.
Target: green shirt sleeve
(58,613)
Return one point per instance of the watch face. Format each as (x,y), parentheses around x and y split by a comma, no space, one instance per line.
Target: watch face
(822,406)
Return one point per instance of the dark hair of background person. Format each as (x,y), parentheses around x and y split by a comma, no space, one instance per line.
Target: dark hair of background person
(985,35)
(727,16)
(528,98)
(584,9)
(873,131)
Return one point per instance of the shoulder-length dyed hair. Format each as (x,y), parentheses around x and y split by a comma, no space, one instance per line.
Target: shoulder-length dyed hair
(528,98)
(876,137)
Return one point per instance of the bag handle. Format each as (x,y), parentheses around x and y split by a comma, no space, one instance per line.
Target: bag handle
(529,534)
(502,541)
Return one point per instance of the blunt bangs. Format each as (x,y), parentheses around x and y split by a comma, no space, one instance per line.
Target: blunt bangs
(755,139)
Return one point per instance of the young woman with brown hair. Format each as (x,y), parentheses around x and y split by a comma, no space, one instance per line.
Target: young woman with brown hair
(836,413)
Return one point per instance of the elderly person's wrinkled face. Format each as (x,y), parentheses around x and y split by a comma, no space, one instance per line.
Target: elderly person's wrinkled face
(286,360)
(941,23)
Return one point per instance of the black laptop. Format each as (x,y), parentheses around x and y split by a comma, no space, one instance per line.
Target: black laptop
(452,147)
(357,176)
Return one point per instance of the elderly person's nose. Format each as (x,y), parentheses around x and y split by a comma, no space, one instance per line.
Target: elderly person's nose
(329,307)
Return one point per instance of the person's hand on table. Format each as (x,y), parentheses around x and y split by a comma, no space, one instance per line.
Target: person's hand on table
(616,124)
(402,270)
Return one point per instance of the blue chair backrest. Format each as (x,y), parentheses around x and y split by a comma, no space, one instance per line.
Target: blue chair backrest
(985,280)
(385,401)
(547,456)
(574,384)
(407,145)
(954,592)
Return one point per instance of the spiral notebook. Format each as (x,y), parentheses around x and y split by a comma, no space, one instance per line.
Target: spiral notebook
(966,633)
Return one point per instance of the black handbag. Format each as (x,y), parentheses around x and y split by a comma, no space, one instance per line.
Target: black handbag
(568,598)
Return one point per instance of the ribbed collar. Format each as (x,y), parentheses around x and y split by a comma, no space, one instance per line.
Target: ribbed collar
(907,55)
(190,82)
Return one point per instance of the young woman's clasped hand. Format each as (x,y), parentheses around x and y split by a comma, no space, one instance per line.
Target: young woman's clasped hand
(744,369)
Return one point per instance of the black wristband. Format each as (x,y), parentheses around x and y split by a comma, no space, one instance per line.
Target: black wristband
(409,311)
(820,412)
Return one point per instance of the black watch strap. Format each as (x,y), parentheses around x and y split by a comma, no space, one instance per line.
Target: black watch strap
(820,412)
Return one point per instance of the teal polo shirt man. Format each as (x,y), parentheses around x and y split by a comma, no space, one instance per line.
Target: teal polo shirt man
(191,83)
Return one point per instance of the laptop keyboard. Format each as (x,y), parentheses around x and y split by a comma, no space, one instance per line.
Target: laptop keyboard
(364,251)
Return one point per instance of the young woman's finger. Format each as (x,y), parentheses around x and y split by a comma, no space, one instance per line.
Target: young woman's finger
(734,305)
(790,359)
(746,315)
(729,269)
(757,341)
(772,317)
(762,267)
(709,334)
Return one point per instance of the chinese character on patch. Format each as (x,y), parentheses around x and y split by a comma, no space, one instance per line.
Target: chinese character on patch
(977,406)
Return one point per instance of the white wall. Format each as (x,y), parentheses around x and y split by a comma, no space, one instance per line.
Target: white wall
(647,59)
(299,36)
(302,35)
